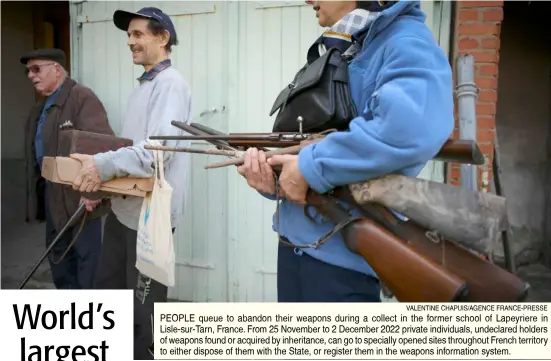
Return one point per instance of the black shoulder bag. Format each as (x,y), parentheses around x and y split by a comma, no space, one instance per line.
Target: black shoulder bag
(319,94)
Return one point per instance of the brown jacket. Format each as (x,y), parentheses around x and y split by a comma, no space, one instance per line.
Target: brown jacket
(79,105)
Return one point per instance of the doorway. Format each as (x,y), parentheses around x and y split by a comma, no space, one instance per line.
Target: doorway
(26,25)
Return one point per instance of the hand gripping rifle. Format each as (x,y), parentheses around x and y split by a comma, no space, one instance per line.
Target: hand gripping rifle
(417,265)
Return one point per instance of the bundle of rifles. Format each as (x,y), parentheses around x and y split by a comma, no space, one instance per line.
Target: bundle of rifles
(438,254)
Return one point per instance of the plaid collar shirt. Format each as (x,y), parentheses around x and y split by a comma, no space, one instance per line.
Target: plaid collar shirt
(153,72)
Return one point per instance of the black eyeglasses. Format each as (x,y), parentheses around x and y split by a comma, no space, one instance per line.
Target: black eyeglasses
(35,68)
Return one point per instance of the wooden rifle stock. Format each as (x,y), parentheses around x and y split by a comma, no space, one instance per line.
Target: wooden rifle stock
(460,151)
(486,281)
(410,276)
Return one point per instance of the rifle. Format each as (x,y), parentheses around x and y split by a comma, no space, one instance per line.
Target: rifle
(415,268)
(457,151)
(453,151)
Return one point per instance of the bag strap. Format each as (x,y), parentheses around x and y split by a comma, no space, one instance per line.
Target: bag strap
(159,167)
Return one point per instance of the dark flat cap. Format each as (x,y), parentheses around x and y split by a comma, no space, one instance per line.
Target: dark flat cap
(56,55)
(122,19)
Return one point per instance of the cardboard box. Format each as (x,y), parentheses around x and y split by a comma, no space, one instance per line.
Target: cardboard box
(64,170)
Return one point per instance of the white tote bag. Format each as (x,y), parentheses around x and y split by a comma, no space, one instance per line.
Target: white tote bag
(155,249)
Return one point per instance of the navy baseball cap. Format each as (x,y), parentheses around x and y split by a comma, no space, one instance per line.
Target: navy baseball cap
(122,19)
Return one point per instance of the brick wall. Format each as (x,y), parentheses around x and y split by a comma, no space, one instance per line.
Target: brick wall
(477,30)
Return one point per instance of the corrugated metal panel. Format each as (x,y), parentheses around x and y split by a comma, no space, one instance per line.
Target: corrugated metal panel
(236,55)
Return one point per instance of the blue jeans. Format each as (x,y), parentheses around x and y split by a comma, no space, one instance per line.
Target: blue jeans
(302,278)
(78,268)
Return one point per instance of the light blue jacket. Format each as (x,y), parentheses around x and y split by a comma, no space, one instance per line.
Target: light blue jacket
(401,84)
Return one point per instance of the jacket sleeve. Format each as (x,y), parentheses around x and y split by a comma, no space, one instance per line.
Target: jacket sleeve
(92,116)
(171,100)
(404,123)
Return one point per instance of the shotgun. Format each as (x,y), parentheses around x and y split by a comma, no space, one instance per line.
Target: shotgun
(450,267)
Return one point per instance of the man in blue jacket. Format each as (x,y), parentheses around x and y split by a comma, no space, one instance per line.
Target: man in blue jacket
(401,84)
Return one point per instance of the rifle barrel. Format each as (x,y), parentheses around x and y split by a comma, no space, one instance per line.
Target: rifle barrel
(206,130)
(230,153)
(237,137)
(197,129)
(453,151)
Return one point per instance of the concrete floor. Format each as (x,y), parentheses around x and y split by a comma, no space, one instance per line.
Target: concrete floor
(22,243)
(22,247)
(539,278)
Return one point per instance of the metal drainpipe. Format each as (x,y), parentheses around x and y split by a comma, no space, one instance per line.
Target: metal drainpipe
(467,93)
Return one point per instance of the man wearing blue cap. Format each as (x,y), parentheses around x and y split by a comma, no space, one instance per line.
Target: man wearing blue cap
(161,96)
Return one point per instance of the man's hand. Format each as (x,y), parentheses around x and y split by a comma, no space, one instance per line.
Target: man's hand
(88,179)
(258,173)
(291,181)
(90,204)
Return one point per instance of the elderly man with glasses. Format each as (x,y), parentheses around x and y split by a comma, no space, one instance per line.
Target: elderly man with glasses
(74,259)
